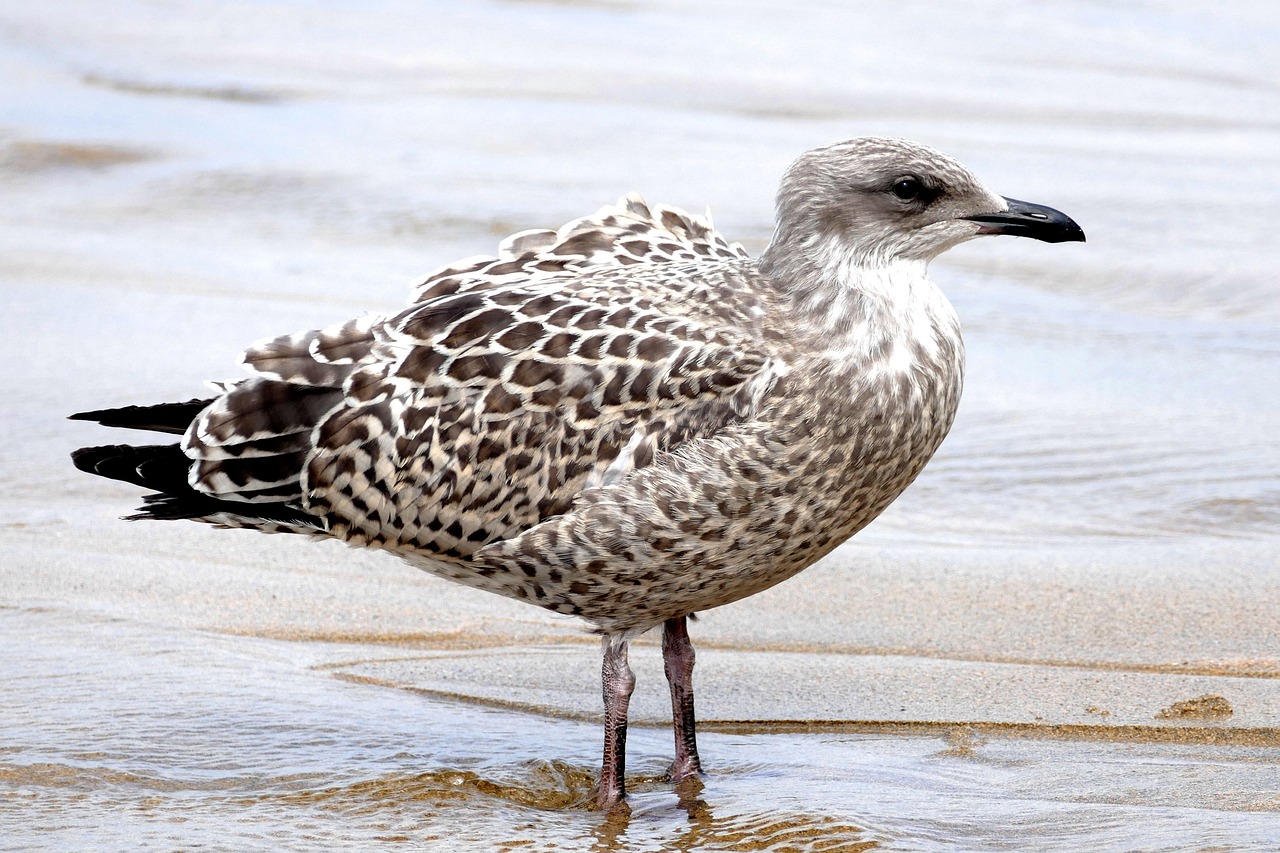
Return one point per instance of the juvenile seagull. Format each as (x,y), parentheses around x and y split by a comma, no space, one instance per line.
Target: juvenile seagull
(627,419)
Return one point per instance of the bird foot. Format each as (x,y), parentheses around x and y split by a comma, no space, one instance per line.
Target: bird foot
(612,799)
(680,770)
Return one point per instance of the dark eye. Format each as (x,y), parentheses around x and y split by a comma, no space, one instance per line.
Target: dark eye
(907,189)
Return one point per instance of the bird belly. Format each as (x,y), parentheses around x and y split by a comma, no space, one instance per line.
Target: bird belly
(727,517)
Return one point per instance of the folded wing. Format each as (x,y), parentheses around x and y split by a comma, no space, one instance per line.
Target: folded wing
(508,388)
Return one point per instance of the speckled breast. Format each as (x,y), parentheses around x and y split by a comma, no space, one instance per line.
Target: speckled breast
(726,517)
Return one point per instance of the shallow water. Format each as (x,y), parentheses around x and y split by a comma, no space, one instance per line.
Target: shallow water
(185,178)
(145,160)
(235,743)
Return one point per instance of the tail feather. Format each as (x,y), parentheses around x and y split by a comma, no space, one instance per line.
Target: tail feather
(278,517)
(164,469)
(166,417)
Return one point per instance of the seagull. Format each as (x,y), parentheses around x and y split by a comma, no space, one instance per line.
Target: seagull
(627,419)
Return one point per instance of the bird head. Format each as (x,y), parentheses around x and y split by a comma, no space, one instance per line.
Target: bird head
(873,201)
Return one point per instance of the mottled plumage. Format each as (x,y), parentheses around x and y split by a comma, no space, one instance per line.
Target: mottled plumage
(627,420)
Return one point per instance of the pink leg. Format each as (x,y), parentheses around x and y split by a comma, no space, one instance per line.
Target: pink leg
(678,656)
(618,684)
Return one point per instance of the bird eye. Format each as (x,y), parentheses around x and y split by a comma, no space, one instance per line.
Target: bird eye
(907,189)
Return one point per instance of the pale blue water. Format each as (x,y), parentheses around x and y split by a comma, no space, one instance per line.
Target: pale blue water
(196,176)
(203,741)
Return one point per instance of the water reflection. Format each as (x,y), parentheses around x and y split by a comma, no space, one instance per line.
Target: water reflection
(116,735)
(751,831)
(171,192)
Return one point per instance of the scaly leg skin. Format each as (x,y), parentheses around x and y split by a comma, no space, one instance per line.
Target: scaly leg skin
(678,656)
(618,683)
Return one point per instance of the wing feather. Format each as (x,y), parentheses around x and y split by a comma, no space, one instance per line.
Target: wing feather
(620,235)
(509,386)
(480,414)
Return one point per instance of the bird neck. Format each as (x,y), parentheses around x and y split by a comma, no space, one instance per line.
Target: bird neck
(840,287)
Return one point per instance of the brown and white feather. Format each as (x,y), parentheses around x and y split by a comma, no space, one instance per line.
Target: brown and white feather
(625,419)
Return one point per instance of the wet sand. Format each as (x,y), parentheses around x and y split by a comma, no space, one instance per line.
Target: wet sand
(1063,637)
(891,635)
(268,693)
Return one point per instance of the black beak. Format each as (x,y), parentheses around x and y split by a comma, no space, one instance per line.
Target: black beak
(1024,219)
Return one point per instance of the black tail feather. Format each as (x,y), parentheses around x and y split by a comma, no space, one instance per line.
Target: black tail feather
(166,507)
(163,417)
(163,468)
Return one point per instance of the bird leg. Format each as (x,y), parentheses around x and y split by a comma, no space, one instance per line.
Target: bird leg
(677,658)
(618,683)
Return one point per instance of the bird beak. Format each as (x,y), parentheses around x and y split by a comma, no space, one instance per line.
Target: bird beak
(1024,219)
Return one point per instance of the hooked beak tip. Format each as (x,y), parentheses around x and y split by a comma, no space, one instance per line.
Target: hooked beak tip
(1024,219)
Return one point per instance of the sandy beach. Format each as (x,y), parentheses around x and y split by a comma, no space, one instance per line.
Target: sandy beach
(1063,637)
